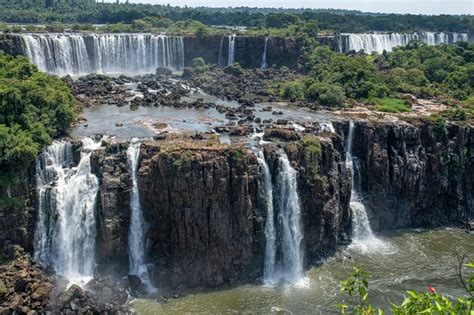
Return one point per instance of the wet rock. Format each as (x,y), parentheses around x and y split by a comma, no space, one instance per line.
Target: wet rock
(161,71)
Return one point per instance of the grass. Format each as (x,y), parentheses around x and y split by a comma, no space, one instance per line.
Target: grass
(391,105)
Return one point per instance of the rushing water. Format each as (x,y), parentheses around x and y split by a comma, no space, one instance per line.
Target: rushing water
(76,54)
(378,42)
(362,235)
(264,63)
(138,227)
(66,228)
(221,52)
(270,231)
(231,50)
(289,267)
(420,258)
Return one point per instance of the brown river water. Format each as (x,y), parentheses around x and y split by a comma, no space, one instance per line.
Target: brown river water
(411,260)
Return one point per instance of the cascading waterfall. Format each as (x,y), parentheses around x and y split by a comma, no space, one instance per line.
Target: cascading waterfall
(138,228)
(270,232)
(362,235)
(76,54)
(283,231)
(264,63)
(66,228)
(221,47)
(378,42)
(231,50)
(289,221)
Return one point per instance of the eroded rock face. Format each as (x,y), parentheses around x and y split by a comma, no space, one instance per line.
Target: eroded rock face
(416,176)
(203,229)
(113,205)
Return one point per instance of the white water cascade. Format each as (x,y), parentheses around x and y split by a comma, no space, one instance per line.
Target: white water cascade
(362,235)
(221,48)
(378,42)
(66,228)
(138,228)
(77,54)
(283,230)
(270,232)
(231,50)
(264,63)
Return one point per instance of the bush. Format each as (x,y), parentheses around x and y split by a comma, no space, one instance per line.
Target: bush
(325,94)
(292,90)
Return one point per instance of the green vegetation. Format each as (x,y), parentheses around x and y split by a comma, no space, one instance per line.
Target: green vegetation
(445,71)
(431,302)
(198,67)
(34,108)
(311,144)
(90,12)
(391,105)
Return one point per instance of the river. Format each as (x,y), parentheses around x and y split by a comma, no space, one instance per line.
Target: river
(412,260)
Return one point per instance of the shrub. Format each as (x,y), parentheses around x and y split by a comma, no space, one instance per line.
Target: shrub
(292,90)
(325,94)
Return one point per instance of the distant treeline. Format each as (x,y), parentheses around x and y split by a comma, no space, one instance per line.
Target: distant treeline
(87,11)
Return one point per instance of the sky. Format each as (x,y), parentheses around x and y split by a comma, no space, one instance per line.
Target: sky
(386,6)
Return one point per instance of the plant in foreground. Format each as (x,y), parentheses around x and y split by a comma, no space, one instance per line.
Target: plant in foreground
(429,302)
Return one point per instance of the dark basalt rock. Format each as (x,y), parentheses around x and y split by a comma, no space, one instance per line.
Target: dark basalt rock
(416,176)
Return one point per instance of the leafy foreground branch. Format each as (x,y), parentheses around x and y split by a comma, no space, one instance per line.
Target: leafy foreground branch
(430,302)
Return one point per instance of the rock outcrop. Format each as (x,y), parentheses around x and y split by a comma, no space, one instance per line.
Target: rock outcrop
(416,175)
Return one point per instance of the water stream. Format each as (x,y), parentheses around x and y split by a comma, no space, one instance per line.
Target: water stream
(270,232)
(231,50)
(264,63)
(362,235)
(138,227)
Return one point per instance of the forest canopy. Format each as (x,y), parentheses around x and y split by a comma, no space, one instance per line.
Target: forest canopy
(87,11)
(34,108)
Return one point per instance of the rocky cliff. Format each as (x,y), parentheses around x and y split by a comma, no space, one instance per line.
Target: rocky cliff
(206,212)
(205,209)
(416,175)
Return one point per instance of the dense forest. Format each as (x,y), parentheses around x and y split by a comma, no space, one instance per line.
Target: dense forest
(87,11)
(34,108)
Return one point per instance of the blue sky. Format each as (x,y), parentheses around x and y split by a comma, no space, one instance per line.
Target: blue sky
(388,6)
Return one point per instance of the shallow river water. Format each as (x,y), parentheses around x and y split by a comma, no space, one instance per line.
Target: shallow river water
(412,260)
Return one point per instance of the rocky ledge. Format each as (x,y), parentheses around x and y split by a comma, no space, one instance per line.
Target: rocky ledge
(25,288)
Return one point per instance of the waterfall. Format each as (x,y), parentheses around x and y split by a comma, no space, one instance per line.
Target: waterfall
(362,235)
(138,228)
(221,47)
(264,64)
(66,227)
(270,232)
(77,54)
(283,231)
(231,50)
(378,42)
(289,219)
